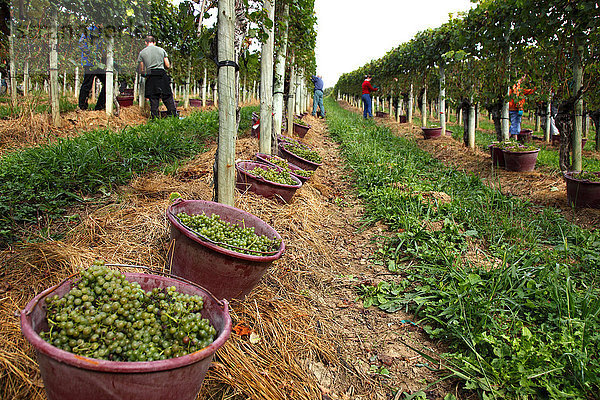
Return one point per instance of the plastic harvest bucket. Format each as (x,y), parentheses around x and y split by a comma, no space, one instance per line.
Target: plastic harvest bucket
(297,160)
(246,180)
(225,273)
(265,158)
(68,376)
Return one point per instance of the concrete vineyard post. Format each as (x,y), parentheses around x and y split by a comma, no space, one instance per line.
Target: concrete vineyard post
(266,83)
(135,85)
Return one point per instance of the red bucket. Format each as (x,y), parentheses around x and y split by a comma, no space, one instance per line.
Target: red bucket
(226,273)
(68,376)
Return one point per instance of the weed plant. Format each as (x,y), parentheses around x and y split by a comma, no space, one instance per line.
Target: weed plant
(510,287)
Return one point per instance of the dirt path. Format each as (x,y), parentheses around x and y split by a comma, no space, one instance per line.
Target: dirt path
(320,342)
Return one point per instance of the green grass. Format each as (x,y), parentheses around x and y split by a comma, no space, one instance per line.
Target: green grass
(520,315)
(40,182)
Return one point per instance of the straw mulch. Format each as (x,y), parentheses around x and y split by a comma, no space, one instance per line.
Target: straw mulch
(299,334)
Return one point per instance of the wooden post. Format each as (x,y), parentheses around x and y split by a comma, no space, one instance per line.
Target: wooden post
(548,130)
(76,88)
(279,86)
(266,83)
(291,97)
(409,117)
(471,128)
(110,84)
(505,125)
(443,99)
(188,77)
(93,91)
(142,93)
(216,96)
(424,107)
(54,103)
(578,122)
(227,107)
(204,87)
(26,79)
(12,65)
(136,85)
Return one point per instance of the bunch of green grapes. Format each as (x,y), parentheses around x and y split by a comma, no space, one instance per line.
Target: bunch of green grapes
(303,152)
(228,235)
(280,162)
(105,316)
(282,176)
(303,172)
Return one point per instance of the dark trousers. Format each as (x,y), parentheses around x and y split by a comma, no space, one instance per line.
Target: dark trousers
(168,101)
(86,87)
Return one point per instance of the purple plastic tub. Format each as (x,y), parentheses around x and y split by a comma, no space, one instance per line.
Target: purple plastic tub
(431,133)
(245,180)
(297,160)
(582,193)
(520,161)
(68,376)
(225,273)
(265,158)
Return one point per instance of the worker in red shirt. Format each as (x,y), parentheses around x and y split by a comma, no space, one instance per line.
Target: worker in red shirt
(515,106)
(367,89)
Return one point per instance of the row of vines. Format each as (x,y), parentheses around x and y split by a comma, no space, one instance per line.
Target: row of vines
(476,57)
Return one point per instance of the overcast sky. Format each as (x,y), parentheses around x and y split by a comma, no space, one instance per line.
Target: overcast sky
(353,32)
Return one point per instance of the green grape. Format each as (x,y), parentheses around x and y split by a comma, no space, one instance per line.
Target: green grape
(231,236)
(126,324)
(303,152)
(278,176)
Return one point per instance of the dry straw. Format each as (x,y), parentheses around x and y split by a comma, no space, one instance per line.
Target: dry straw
(289,332)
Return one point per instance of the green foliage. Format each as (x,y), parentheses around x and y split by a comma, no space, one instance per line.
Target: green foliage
(520,316)
(38,183)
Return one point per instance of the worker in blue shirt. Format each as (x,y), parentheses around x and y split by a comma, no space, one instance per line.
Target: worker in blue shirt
(93,61)
(318,96)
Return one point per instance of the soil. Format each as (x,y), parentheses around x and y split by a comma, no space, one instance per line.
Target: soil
(328,256)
